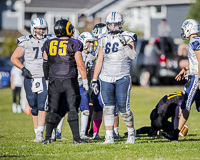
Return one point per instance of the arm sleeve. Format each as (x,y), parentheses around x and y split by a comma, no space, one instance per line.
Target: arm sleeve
(46,69)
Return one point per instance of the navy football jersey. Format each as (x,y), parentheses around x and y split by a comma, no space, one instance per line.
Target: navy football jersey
(166,106)
(61,58)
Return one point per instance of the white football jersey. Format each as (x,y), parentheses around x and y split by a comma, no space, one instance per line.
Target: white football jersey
(116,63)
(33,53)
(194,44)
(89,60)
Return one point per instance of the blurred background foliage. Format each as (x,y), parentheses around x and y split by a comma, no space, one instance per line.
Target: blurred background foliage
(9,42)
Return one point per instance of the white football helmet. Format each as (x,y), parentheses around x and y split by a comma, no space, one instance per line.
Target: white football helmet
(97,29)
(76,33)
(113,20)
(189,26)
(39,23)
(87,37)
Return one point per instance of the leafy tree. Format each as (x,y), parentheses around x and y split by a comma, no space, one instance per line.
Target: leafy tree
(194,11)
(9,42)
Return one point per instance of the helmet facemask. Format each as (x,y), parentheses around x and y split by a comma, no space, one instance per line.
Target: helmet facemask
(88,47)
(41,34)
(114,27)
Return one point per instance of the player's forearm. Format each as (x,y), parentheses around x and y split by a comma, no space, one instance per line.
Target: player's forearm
(16,62)
(97,69)
(130,53)
(82,71)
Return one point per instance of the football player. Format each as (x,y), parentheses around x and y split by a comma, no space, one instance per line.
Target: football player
(167,107)
(116,50)
(31,46)
(56,134)
(190,30)
(62,56)
(87,38)
(100,30)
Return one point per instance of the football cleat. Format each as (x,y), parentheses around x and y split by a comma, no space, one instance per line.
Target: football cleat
(84,137)
(46,141)
(131,138)
(95,136)
(14,108)
(38,138)
(77,141)
(116,135)
(58,135)
(170,135)
(109,140)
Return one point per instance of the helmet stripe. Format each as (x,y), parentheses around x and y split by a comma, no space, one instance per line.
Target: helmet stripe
(67,28)
(41,21)
(113,15)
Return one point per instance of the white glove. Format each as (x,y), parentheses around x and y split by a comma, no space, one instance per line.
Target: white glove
(85,86)
(94,86)
(122,40)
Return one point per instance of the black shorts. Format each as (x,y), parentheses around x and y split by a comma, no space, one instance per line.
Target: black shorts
(68,90)
(151,69)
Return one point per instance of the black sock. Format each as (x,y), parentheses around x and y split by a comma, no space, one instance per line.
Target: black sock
(49,129)
(75,129)
(176,131)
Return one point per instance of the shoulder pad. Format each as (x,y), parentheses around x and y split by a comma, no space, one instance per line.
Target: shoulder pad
(129,36)
(23,38)
(195,43)
(50,36)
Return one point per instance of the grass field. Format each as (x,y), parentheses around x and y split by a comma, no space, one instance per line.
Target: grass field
(16,135)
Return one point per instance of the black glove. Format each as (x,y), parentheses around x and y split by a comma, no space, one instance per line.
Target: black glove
(122,40)
(26,73)
(94,86)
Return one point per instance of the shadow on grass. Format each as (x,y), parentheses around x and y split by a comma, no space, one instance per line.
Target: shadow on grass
(13,156)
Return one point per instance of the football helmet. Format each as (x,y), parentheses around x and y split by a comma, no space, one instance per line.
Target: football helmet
(87,37)
(39,23)
(189,27)
(63,28)
(76,33)
(114,22)
(97,29)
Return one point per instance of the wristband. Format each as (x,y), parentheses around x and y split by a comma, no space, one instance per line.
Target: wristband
(185,69)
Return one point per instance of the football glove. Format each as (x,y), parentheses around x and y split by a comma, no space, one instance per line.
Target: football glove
(26,73)
(85,86)
(122,40)
(94,86)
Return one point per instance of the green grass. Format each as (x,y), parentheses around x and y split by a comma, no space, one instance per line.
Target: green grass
(16,135)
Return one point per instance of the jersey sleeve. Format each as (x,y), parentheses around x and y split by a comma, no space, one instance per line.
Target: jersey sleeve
(22,40)
(46,46)
(78,46)
(196,44)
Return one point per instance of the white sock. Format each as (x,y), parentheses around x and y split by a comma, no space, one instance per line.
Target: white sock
(40,129)
(130,130)
(60,125)
(109,133)
(35,130)
(84,122)
(116,130)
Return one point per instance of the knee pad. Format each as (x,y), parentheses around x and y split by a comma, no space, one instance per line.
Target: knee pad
(72,116)
(86,112)
(34,111)
(109,118)
(52,117)
(128,118)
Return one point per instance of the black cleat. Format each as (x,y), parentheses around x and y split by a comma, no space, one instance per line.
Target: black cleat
(47,141)
(77,141)
(170,135)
